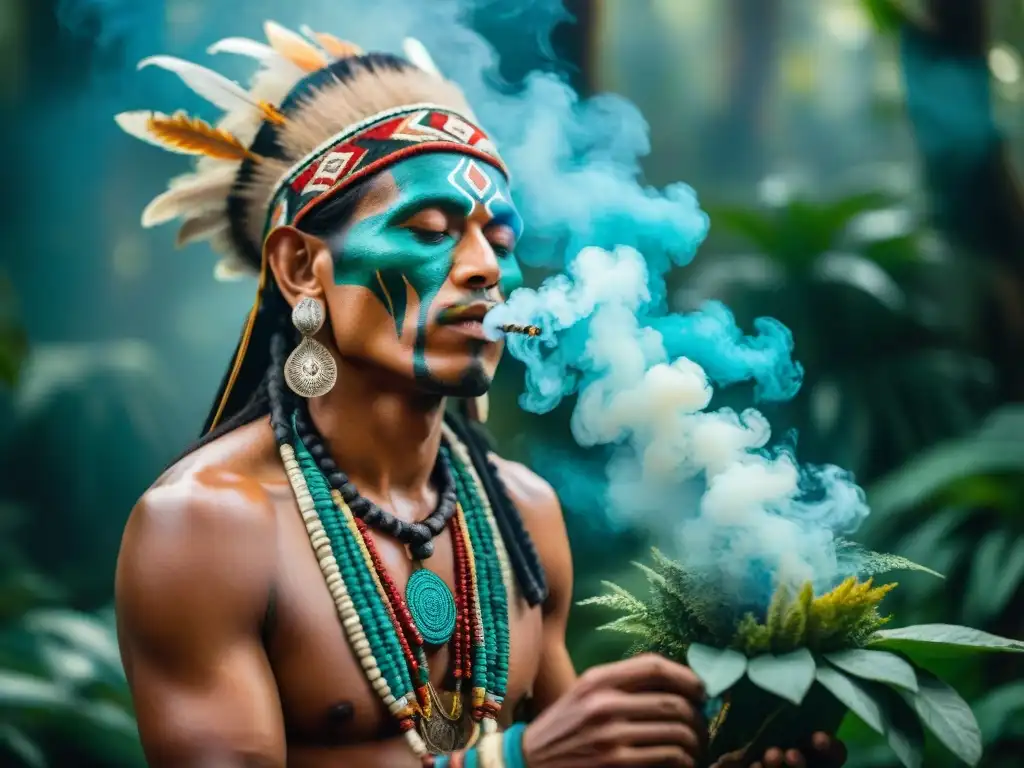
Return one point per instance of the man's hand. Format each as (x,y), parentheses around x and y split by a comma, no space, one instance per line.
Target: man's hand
(824,752)
(641,712)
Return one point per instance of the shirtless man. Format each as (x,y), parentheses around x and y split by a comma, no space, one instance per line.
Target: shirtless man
(229,634)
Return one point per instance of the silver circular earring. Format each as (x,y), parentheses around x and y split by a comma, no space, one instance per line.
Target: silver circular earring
(310,370)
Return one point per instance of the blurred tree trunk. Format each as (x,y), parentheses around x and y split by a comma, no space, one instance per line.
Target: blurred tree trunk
(576,43)
(736,136)
(979,202)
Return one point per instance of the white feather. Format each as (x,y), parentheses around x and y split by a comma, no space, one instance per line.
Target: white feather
(230,269)
(310,35)
(137,124)
(214,87)
(417,53)
(242,46)
(203,227)
(190,194)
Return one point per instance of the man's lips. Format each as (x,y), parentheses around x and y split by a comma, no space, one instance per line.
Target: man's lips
(466,319)
(457,314)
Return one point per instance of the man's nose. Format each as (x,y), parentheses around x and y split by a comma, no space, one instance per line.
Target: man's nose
(474,264)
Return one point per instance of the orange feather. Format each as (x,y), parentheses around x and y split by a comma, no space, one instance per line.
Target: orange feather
(293,47)
(198,137)
(272,114)
(339,49)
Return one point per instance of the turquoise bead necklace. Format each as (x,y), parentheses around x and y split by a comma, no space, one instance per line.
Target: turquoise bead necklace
(388,632)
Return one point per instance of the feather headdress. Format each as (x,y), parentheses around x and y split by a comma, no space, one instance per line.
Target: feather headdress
(297,93)
(317,116)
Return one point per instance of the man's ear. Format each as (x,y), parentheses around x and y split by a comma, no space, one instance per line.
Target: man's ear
(290,256)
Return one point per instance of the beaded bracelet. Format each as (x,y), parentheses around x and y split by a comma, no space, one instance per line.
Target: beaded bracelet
(493,750)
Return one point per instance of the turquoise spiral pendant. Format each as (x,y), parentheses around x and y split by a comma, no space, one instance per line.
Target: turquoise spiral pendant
(432,606)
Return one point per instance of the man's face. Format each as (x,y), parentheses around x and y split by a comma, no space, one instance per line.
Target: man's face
(434,233)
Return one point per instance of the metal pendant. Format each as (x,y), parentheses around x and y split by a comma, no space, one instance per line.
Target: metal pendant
(444,733)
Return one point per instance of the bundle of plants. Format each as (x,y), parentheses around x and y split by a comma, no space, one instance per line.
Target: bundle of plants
(776,675)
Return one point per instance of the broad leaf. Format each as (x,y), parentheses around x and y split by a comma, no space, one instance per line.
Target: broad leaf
(1000,712)
(856,698)
(941,641)
(718,668)
(28,692)
(947,716)
(902,729)
(997,570)
(880,666)
(789,676)
(19,744)
(993,448)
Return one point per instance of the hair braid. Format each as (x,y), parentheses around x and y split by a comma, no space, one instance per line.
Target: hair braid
(279,396)
(521,551)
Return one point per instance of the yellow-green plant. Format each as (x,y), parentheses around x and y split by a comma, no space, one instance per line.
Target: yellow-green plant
(808,659)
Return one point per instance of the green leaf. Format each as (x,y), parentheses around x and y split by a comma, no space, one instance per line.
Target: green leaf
(755,226)
(880,666)
(946,715)
(997,568)
(902,728)
(789,676)
(993,448)
(890,16)
(719,668)
(21,746)
(27,692)
(998,709)
(856,698)
(941,641)
(13,340)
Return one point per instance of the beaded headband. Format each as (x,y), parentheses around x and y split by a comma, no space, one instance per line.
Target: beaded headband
(370,146)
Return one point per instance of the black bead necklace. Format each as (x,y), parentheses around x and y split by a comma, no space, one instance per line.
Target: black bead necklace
(419,537)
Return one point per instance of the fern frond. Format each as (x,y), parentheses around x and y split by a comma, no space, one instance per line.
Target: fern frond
(865,562)
(628,625)
(652,575)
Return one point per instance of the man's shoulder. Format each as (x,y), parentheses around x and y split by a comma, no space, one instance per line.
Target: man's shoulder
(210,490)
(533,495)
(201,540)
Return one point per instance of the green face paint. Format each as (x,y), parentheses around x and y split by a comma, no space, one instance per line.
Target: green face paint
(379,254)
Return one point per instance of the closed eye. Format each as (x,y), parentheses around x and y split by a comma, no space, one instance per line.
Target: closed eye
(428,236)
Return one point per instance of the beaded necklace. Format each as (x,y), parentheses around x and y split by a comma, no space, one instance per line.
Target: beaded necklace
(418,536)
(377,621)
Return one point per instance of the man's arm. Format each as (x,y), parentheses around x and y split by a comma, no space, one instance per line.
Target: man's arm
(193,580)
(542,515)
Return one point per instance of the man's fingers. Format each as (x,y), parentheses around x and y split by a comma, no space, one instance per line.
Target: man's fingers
(651,734)
(664,707)
(648,672)
(649,757)
(829,747)
(773,758)
(795,759)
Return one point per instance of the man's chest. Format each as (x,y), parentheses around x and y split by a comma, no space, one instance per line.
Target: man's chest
(325,694)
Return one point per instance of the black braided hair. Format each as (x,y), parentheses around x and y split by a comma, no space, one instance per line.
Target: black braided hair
(280,398)
(522,553)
